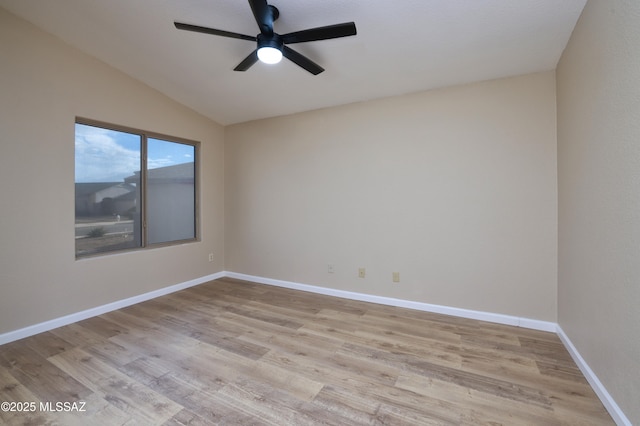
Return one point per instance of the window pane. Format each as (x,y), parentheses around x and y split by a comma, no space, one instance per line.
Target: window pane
(107,173)
(171,209)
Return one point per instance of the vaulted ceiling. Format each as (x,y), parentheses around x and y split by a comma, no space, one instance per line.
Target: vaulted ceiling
(401,47)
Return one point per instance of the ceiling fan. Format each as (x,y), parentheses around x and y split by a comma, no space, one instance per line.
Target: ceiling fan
(273,46)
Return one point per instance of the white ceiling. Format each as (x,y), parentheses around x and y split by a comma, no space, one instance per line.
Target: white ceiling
(401,47)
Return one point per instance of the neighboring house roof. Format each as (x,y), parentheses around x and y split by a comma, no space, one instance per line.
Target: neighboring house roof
(177,173)
(83,189)
(101,190)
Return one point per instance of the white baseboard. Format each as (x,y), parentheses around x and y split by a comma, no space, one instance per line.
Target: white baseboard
(446,310)
(606,398)
(99,310)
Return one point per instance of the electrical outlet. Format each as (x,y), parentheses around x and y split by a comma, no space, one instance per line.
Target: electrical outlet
(330,268)
(396,277)
(361,272)
(210,257)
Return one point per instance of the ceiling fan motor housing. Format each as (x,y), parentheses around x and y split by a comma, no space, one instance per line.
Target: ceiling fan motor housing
(273,40)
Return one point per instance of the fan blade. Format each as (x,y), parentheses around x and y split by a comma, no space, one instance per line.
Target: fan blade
(248,61)
(213,31)
(302,61)
(264,15)
(321,33)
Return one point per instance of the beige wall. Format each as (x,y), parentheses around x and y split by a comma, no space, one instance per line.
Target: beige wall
(599,191)
(44,85)
(454,188)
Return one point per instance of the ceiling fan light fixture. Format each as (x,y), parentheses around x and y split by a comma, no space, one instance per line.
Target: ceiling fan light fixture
(270,48)
(269,55)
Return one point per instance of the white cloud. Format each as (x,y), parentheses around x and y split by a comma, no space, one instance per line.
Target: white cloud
(102,155)
(155,163)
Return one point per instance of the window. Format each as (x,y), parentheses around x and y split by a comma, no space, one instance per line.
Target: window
(133,189)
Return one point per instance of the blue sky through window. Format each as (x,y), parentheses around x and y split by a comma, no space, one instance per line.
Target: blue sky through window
(163,153)
(104,155)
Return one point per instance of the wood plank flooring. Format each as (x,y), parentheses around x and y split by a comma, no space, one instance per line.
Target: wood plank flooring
(235,353)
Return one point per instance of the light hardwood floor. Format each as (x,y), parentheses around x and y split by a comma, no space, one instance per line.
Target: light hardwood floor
(234,353)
